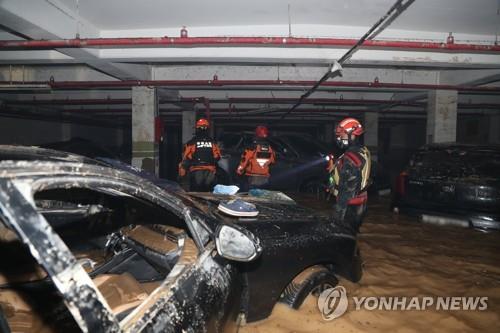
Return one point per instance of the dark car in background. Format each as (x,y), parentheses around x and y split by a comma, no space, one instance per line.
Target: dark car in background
(452,184)
(301,161)
(90,248)
(92,150)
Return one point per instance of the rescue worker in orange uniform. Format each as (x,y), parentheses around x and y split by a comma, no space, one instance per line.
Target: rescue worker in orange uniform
(199,158)
(256,160)
(350,174)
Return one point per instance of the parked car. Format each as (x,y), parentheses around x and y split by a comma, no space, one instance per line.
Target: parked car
(81,146)
(452,184)
(301,161)
(91,248)
(91,150)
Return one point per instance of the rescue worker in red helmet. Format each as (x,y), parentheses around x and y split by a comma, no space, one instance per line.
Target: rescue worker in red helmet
(256,160)
(350,175)
(199,158)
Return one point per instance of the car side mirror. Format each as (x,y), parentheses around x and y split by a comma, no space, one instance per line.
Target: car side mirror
(236,243)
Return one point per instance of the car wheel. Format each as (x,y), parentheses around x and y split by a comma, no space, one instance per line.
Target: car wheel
(312,281)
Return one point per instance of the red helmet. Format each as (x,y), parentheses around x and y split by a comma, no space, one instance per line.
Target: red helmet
(261,132)
(202,122)
(349,126)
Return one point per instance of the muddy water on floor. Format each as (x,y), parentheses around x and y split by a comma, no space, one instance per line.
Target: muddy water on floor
(405,258)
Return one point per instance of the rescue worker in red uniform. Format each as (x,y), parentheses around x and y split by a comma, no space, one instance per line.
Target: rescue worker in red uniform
(350,174)
(199,158)
(256,160)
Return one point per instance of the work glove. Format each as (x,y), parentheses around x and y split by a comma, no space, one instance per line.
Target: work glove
(240,171)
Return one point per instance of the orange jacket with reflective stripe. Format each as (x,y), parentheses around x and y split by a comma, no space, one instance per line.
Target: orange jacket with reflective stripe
(256,160)
(200,154)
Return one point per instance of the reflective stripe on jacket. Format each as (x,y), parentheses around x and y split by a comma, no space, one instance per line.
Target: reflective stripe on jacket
(200,153)
(351,177)
(256,160)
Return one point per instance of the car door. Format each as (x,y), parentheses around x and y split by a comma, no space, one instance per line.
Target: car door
(200,293)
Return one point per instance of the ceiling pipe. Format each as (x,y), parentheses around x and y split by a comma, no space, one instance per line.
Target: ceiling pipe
(151,42)
(244,100)
(206,102)
(223,111)
(103,101)
(243,83)
(263,113)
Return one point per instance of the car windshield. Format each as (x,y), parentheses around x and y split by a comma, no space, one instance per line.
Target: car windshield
(279,146)
(306,145)
(458,163)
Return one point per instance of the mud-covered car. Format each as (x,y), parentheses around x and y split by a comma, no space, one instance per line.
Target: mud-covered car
(454,184)
(89,248)
(71,153)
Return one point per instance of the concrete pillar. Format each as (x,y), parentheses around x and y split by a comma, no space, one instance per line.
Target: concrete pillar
(370,122)
(494,133)
(144,110)
(188,123)
(442,116)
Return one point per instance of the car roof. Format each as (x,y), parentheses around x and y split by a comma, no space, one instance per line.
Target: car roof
(493,148)
(32,153)
(39,169)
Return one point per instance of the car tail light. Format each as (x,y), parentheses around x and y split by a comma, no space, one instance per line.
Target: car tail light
(401,183)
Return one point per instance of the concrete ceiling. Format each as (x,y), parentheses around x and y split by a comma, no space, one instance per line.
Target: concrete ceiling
(472,23)
(464,16)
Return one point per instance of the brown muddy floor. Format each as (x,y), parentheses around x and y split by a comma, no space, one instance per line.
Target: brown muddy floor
(403,257)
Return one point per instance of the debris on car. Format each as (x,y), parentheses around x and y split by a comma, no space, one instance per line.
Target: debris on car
(95,249)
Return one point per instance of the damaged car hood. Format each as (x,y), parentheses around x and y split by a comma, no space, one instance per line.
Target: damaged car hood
(271,212)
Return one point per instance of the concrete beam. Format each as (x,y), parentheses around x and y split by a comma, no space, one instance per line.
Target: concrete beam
(39,19)
(289,72)
(469,77)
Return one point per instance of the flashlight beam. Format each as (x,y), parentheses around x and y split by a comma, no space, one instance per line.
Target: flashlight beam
(298,169)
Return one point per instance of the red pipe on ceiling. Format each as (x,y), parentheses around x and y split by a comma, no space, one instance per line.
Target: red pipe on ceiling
(243,100)
(204,101)
(241,112)
(243,42)
(228,83)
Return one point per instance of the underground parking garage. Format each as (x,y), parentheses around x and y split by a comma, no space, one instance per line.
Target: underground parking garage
(283,166)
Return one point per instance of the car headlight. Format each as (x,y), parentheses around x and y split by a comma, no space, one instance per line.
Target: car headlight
(237,244)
